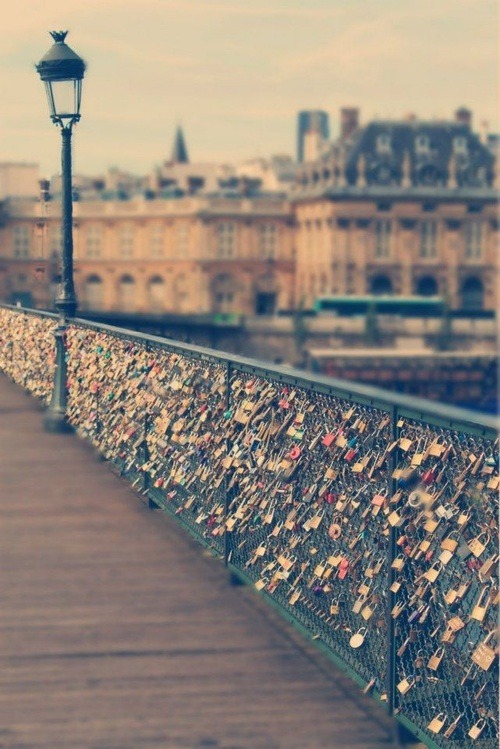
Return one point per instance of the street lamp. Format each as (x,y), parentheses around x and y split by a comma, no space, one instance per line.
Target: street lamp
(62,72)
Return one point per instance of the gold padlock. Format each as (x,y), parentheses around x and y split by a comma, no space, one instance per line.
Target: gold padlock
(479,611)
(477,729)
(406,684)
(437,723)
(435,659)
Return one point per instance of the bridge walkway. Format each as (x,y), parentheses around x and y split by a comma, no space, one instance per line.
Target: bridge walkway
(118,632)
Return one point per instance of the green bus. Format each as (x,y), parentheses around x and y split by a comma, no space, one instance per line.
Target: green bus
(405,306)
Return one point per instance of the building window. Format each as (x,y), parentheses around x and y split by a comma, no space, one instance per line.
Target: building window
(93,293)
(126,294)
(382,239)
(460,145)
(226,240)
(223,291)
(126,242)
(156,239)
(156,294)
(381,285)
(267,241)
(383,143)
(473,240)
(182,239)
(472,294)
(22,241)
(426,286)
(422,144)
(428,235)
(93,241)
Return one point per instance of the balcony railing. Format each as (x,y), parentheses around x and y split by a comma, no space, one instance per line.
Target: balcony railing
(369,519)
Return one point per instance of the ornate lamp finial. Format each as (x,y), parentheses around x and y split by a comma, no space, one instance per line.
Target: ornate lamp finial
(58,36)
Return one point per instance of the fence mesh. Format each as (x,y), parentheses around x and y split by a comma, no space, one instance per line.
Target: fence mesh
(376,533)
(27,351)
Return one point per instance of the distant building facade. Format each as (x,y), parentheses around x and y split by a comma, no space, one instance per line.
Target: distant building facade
(400,207)
(395,207)
(192,255)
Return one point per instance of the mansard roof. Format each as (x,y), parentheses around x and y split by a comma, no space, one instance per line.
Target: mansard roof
(400,156)
(431,149)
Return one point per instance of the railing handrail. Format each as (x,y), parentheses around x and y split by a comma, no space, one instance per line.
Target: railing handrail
(433,412)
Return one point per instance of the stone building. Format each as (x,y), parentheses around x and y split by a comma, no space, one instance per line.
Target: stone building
(395,207)
(190,255)
(399,207)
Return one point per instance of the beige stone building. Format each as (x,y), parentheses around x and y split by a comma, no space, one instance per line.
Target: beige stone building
(400,208)
(396,207)
(190,255)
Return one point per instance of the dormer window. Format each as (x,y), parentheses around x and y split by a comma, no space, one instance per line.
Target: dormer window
(383,143)
(460,145)
(422,144)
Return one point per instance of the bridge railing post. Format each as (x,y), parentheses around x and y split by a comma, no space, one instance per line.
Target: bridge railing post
(227,498)
(391,577)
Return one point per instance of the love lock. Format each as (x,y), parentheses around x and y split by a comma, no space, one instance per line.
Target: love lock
(334,531)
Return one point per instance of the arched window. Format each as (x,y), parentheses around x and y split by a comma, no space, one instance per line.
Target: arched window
(472,293)
(381,285)
(156,294)
(126,293)
(93,293)
(427,286)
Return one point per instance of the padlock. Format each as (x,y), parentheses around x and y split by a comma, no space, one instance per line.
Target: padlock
(477,729)
(479,611)
(450,543)
(451,728)
(437,723)
(398,563)
(478,545)
(489,566)
(484,655)
(435,659)
(433,572)
(334,607)
(406,684)
(419,659)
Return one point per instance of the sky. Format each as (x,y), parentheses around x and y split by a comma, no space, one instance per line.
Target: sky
(234,73)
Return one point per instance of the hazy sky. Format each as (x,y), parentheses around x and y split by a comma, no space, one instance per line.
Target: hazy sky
(235,72)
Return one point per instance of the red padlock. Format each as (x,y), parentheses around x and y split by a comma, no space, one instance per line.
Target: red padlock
(343,568)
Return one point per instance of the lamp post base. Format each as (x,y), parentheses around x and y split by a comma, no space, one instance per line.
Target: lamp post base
(55,419)
(56,422)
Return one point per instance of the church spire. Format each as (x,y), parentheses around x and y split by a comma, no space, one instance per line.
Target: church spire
(179,150)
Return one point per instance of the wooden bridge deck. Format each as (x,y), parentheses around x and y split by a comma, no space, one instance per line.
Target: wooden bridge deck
(118,632)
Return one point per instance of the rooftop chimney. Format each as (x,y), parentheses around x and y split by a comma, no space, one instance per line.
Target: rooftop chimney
(349,121)
(464,117)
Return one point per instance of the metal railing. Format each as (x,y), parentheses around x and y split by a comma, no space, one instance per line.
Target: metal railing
(369,519)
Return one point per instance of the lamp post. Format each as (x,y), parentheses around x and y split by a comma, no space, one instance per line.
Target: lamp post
(62,72)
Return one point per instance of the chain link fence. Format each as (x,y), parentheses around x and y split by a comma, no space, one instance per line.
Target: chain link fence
(369,520)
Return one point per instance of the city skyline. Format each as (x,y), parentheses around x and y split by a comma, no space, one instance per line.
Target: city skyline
(235,76)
